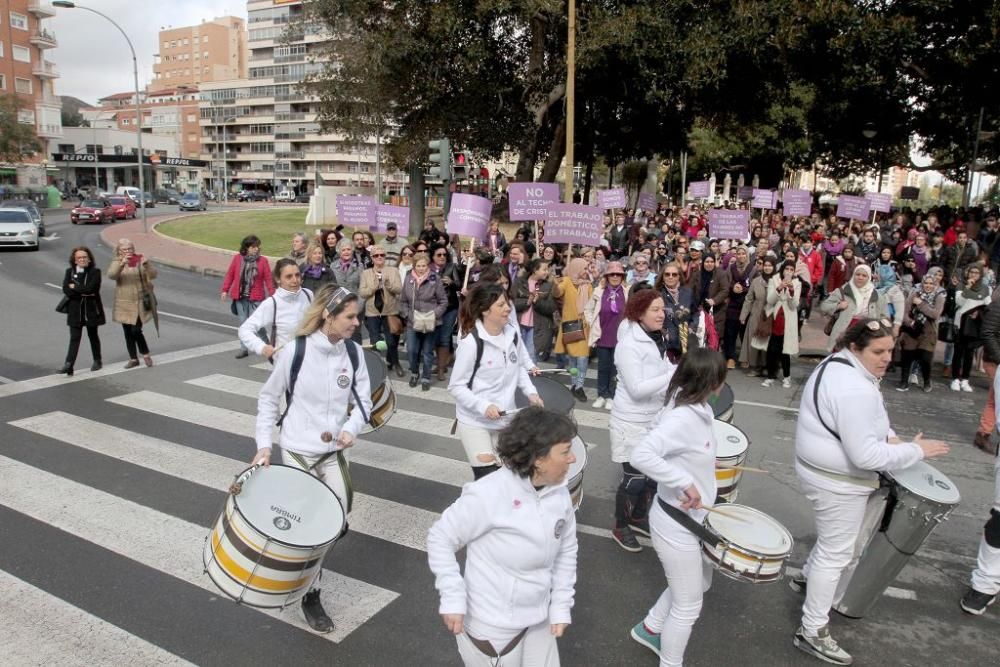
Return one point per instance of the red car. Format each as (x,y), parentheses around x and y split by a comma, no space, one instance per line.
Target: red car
(123,207)
(92,210)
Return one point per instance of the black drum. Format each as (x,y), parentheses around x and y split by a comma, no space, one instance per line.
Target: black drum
(555,394)
(722,405)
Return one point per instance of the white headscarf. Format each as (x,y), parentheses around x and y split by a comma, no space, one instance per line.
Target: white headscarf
(861,294)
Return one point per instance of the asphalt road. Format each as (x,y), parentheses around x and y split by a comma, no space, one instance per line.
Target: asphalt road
(112,480)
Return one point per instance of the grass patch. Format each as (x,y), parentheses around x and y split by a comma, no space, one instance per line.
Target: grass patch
(226,230)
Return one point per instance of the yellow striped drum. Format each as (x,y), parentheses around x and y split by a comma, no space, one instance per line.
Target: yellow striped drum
(732,446)
(268,544)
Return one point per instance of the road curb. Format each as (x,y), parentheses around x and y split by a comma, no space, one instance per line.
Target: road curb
(192,244)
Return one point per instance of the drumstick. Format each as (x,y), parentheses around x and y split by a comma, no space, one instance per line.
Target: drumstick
(378,345)
(504,413)
(572,371)
(723,466)
(725,514)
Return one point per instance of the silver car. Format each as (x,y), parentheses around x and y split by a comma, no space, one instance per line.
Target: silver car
(18,229)
(192,201)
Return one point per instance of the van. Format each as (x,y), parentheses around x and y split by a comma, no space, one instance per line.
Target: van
(135,194)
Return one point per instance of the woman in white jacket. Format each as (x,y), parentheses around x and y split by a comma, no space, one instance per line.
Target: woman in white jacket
(278,316)
(316,427)
(519,530)
(484,388)
(783,292)
(644,371)
(842,439)
(679,454)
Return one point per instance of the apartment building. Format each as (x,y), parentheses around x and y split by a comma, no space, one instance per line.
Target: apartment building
(169,112)
(26,74)
(268,127)
(214,50)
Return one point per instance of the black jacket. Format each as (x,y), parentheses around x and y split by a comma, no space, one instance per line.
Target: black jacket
(84,308)
(990,333)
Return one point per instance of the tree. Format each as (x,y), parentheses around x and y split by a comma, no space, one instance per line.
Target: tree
(17,139)
(73,118)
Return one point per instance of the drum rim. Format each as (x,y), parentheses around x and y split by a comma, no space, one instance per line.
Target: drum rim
(746,550)
(236,507)
(571,403)
(384,365)
(746,436)
(895,480)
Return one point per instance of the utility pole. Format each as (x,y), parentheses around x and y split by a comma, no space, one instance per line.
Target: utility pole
(967,190)
(570,100)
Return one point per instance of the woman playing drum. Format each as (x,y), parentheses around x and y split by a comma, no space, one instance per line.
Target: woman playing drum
(843,436)
(316,426)
(679,454)
(484,383)
(519,530)
(644,371)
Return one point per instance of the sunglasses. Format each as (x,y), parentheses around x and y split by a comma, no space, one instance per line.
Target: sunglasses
(407,254)
(378,254)
(440,254)
(671,273)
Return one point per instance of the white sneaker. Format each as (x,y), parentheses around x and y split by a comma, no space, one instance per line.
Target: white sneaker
(822,646)
(786,383)
(914,379)
(609,403)
(599,403)
(956,385)
(966,386)
(767,383)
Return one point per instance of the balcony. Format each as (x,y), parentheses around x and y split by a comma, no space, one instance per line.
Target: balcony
(44,39)
(290,155)
(49,100)
(45,70)
(49,130)
(41,8)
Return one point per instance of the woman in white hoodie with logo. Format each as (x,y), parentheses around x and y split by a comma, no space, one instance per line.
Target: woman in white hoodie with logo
(484,383)
(278,316)
(679,454)
(518,527)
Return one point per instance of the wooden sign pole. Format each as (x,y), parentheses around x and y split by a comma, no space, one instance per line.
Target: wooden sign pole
(468,267)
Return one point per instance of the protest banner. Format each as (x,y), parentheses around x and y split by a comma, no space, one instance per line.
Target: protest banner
(698,189)
(528,201)
(647,202)
(853,208)
(613,198)
(574,223)
(796,202)
(729,223)
(356,211)
(744,192)
(386,213)
(469,215)
(764,199)
(879,201)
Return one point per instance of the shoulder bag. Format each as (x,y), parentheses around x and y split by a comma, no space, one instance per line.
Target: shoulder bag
(572,331)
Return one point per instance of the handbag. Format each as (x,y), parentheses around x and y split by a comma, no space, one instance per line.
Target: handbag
(423,321)
(946,330)
(572,331)
(764,325)
(395,324)
(828,327)
(63,305)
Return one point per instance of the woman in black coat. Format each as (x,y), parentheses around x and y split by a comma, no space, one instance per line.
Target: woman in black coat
(83,307)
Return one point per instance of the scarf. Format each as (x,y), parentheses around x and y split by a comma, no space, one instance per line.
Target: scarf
(313,271)
(833,249)
(248,274)
(861,294)
(574,271)
(886,278)
(657,337)
(615,298)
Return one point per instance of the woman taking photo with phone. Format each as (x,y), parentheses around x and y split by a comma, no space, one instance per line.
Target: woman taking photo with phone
(134,300)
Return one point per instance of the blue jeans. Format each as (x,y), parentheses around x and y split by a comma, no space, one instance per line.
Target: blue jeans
(606,372)
(420,345)
(444,331)
(528,336)
(580,363)
(378,329)
(244,309)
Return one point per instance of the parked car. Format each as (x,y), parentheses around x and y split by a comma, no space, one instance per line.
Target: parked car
(31,207)
(285,195)
(252,195)
(92,210)
(167,196)
(303,198)
(18,229)
(123,206)
(192,201)
(132,193)
(148,200)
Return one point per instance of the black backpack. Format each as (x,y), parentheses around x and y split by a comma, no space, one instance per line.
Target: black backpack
(299,356)
(479,354)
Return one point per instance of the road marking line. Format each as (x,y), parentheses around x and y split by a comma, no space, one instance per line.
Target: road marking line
(42,629)
(6,380)
(891,591)
(164,542)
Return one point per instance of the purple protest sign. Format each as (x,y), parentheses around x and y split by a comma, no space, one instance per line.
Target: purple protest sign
(613,198)
(698,189)
(574,223)
(763,199)
(647,202)
(356,211)
(744,192)
(729,224)
(386,213)
(879,201)
(796,202)
(528,201)
(853,208)
(469,215)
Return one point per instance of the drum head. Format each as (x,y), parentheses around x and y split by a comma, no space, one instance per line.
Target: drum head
(377,370)
(290,506)
(751,530)
(580,452)
(554,393)
(722,403)
(926,481)
(729,440)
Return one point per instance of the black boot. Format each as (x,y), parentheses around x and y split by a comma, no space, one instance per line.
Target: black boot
(315,615)
(97,365)
(67,369)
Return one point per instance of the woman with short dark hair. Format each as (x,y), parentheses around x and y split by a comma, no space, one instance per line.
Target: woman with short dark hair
(515,597)
(81,287)
(247,282)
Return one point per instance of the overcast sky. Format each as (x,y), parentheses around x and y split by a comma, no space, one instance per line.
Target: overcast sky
(93,57)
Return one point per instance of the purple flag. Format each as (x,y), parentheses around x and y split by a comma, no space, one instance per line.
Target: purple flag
(729,224)
(853,208)
(356,211)
(469,215)
(698,189)
(386,213)
(528,200)
(879,201)
(574,223)
(647,202)
(763,199)
(613,198)
(744,192)
(797,202)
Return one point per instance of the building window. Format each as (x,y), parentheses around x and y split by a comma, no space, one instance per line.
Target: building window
(22,85)
(1,49)
(185,42)
(26,116)
(66,148)
(204,54)
(21,54)
(3,82)
(204,40)
(192,118)
(19,21)
(126,121)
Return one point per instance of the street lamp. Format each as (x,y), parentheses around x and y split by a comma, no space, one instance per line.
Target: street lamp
(869,132)
(65,4)
(225,161)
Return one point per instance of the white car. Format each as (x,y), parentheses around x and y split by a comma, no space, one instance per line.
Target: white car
(285,195)
(18,229)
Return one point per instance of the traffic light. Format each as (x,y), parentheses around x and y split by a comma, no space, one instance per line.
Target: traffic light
(440,159)
(462,161)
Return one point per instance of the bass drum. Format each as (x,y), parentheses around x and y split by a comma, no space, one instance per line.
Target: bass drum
(383,395)
(574,478)
(732,448)
(722,405)
(556,396)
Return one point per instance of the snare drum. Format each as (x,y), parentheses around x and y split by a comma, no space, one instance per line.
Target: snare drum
(268,544)
(732,447)
(722,405)
(752,545)
(574,478)
(555,394)
(383,395)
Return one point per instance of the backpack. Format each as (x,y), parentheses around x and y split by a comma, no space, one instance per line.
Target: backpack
(293,376)
(479,354)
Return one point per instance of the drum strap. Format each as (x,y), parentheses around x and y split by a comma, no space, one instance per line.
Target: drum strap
(342,464)
(486,648)
(479,355)
(692,526)
(293,376)
(819,378)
